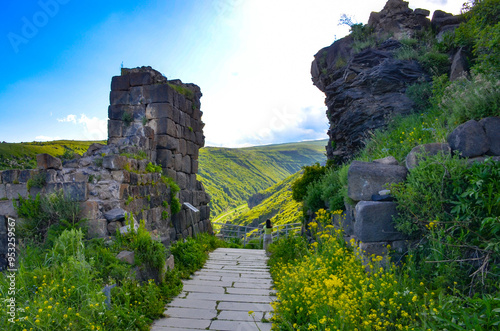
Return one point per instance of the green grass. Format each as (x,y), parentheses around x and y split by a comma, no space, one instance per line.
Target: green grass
(23,155)
(278,206)
(231,175)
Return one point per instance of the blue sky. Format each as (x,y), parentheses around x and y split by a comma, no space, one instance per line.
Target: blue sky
(251,59)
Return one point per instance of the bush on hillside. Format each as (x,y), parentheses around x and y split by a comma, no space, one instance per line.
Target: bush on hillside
(311,174)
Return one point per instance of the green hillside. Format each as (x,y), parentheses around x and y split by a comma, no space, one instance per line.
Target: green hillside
(23,155)
(278,206)
(232,175)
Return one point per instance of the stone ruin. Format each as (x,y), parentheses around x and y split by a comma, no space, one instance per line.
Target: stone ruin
(370,220)
(151,120)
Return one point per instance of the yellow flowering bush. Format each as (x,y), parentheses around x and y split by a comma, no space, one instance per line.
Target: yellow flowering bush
(329,288)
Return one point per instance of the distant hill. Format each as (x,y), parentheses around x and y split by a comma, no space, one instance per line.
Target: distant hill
(23,155)
(277,205)
(232,175)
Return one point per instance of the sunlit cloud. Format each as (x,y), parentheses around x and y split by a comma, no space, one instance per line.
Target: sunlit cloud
(46,138)
(69,118)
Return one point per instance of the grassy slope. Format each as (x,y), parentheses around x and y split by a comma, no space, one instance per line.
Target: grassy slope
(22,155)
(279,206)
(231,175)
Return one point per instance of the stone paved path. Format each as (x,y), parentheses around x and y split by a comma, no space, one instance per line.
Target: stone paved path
(219,296)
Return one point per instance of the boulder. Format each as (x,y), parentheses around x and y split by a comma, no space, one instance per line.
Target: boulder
(491,126)
(126,256)
(98,228)
(114,162)
(112,226)
(389,160)
(116,214)
(459,65)
(418,153)
(170,263)
(469,139)
(374,222)
(366,178)
(46,161)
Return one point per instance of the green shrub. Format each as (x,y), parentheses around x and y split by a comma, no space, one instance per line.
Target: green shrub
(46,217)
(420,93)
(286,250)
(127,117)
(467,99)
(68,154)
(311,174)
(435,62)
(422,198)
(153,168)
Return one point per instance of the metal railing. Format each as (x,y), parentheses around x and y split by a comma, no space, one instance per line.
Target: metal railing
(247,233)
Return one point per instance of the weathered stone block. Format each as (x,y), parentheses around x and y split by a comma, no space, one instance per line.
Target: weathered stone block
(418,153)
(116,214)
(16,190)
(171,173)
(76,191)
(182,147)
(170,263)
(46,161)
(182,180)
(3,191)
(366,179)
(115,128)
(120,83)
(200,139)
(172,128)
(89,209)
(160,110)
(126,256)
(137,96)
(10,176)
(374,248)
(24,175)
(157,93)
(114,162)
(390,160)
(186,164)
(469,139)
(7,208)
(140,78)
(194,166)
(113,226)
(374,222)
(178,162)
(119,98)
(491,127)
(98,228)
(165,158)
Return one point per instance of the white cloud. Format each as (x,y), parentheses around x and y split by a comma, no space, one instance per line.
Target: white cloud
(91,128)
(46,138)
(69,118)
(94,128)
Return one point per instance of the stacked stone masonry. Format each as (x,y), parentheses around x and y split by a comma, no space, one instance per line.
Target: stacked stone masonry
(371,220)
(151,120)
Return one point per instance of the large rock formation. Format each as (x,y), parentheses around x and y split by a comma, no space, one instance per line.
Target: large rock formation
(365,89)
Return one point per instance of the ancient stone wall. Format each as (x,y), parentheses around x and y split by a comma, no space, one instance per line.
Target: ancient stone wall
(370,220)
(151,121)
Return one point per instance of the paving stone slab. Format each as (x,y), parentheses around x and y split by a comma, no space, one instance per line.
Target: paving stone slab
(189,303)
(239,326)
(182,322)
(191,313)
(201,282)
(261,285)
(203,289)
(229,297)
(244,306)
(238,315)
(249,291)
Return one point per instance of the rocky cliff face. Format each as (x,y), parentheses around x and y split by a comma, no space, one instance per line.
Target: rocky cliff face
(365,89)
